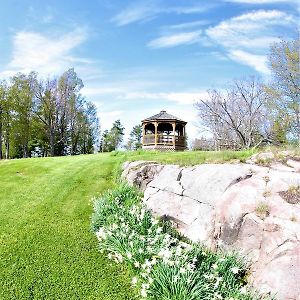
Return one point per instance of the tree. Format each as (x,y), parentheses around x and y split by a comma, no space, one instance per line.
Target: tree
(236,117)
(46,117)
(135,138)
(3,98)
(22,95)
(46,112)
(284,90)
(113,138)
(68,103)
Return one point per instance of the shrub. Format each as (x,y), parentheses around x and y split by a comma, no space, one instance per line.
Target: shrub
(165,266)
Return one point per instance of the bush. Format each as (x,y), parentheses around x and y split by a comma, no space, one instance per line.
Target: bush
(165,267)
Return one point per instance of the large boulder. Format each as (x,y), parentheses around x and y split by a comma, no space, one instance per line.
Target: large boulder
(252,208)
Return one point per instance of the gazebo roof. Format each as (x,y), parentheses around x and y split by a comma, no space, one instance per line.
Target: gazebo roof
(163,115)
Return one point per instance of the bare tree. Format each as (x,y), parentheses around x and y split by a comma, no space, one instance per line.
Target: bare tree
(235,117)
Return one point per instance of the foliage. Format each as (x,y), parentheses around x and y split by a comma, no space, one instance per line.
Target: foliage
(284,90)
(46,118)
(113,138)
(165,267)
(135,139)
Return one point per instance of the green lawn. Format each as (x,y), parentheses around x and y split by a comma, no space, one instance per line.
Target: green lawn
(47,250)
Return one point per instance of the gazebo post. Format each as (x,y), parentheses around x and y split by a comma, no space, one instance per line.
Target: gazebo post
(143,128)
(155,133)
(174,127)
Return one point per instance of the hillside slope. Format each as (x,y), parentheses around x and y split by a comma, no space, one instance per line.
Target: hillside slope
(46,248)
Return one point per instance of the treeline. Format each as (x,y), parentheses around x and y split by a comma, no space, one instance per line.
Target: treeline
(46,117)
(249,112)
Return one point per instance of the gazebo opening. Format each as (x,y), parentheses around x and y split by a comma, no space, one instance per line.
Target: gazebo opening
(149,129)
(164,132)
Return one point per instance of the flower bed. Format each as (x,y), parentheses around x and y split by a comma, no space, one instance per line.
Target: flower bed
(164,265)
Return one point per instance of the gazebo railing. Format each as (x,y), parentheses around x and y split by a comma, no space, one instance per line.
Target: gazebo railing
(162,139)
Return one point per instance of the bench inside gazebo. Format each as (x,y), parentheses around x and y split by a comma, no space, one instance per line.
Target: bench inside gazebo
(164,132)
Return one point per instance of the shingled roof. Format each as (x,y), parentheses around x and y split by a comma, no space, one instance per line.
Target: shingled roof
(163,115)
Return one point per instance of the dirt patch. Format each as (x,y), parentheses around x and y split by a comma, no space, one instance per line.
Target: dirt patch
(292,195)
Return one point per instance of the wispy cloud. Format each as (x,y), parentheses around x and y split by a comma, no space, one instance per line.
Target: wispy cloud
(183,98)
(187,25)
(175,39)
(258,62)
(246,38)
(135,13)
(146,10)
(44,54)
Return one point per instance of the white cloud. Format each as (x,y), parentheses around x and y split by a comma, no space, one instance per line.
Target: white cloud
(46,55)
(135,13)
(147,10)
(175,39)
(123,93)
(247,38)
(186,25)
(258,62)
(181,98)
(255,28)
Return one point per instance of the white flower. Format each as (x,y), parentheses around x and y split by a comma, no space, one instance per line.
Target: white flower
(155,221)
(140,250)
(243,290)
(144,293)
(218,296)
(175,278)
(145,286)
(136,264)
(150,280)
(129,255)
(134,281)
(101,234)
(159,230)
(182,270)
(218,281)
(234,270)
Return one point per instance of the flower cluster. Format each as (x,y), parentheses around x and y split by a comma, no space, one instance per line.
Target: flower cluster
(164,266)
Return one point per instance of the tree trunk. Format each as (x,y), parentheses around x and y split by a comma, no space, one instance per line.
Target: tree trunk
(7,147)
(52,141)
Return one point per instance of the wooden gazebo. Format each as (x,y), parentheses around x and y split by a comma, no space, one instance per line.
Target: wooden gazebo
(164,132)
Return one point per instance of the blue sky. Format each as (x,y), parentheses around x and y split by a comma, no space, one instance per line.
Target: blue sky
(139,57)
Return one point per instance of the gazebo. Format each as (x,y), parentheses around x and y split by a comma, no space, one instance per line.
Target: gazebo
(164,132)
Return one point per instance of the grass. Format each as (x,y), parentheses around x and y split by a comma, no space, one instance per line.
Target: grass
(188,158)
(47,250)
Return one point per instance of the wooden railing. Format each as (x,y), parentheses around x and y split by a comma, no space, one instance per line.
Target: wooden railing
(149,139)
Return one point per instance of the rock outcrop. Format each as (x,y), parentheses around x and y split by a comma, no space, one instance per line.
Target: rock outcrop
(251,208)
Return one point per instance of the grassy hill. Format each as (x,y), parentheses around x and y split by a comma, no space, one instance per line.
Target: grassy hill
(47,250)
